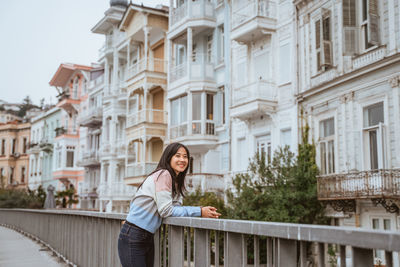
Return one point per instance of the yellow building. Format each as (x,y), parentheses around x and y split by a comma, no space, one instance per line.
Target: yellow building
(146,83)
(14,141)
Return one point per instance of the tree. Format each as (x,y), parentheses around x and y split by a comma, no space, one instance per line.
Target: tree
(199,198)
(283,191)
(19,198)
(66,198)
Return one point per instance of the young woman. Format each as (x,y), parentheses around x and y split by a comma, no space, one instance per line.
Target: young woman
(158,197)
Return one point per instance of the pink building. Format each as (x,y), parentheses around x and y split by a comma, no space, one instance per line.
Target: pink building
(71,81)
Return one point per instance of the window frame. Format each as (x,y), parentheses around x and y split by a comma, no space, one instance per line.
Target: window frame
(327,165)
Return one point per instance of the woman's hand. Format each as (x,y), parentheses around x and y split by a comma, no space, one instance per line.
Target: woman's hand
(209,212)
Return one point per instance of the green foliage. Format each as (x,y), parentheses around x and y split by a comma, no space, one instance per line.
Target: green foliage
(66,198)
(283,191)
(199,198)
(19,198)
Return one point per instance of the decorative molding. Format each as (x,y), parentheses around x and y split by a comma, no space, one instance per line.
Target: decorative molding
(344,205)
(390,205)
(395,81)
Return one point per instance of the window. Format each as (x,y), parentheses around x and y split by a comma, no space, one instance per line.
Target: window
(373,136)
(241,155)
(263,144)
(70,158)
(327,146)
(58,159)
(209,48)
(369,23)
(323,43)
(179,117)
(11,180)
(196,113)
(210,114)
(222,88)
(22,174)
(24,145)
(221,43)
(3,147)
(380,224)
(286,137)
(13,146)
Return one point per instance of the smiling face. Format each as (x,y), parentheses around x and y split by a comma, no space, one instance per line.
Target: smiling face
(179,161)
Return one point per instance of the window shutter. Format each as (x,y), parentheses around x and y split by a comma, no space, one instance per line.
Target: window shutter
(373,22)
(318,44)
(349,27)
(327,43)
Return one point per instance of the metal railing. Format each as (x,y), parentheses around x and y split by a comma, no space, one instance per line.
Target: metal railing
(363,184)
(147,115)
(258,8)
(259,90)
(90,239)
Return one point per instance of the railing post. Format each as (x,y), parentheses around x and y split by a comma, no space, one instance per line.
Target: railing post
(233,249)
(362,257)
(176,246)
(287,253)
(201,248)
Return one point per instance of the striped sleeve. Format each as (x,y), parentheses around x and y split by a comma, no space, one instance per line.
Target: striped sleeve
(164,201)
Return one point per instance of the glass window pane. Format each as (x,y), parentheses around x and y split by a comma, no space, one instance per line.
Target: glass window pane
(175,112)
(386,224)
(327,127)
(373,150)
(323,157)
(375,223)
(331,157)
(373,115)
(183,109)
(196,106)
(210,107)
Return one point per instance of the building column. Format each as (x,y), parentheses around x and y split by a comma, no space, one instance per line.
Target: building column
(128,54)
(169,58)
(189,112)
(107,75)
(146,31)
(189,49)
(203,112)
(115,70)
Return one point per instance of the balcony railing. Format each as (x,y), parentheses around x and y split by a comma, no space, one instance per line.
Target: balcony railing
(147,115)
(198,9)
(85,238)
(140,169)
(199,127)
(258,8)
(95,83)
(260,90)
(92,117)
(369,57)
(364,184)
(153,64)
(201,67)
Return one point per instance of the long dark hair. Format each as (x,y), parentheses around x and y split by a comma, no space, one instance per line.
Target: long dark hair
(178,181)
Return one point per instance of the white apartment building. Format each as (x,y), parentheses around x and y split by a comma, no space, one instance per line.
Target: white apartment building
(199,88)
(41,159)
(263,109)
(113,194)
(349,87)
(90,119)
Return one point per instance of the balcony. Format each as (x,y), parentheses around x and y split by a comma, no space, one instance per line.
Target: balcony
(191,241)
(257,98)
(45,145)
(369,57)
(252,21)
(66,131)
(148,116)
(360,185)
(93,118)
(70,105)
(197,13)
(199,135)
(34,148)
(201,68)
(116,190)
(207,182)
(97,83)
(89,159)
(153,65)
(135,173)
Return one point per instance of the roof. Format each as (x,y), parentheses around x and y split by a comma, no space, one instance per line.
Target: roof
(64,72)
(113,16)
(133,8)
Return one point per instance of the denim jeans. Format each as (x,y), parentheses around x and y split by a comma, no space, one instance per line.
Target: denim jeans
(135,247)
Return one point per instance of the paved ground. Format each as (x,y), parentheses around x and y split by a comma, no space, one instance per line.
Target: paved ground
(17,250)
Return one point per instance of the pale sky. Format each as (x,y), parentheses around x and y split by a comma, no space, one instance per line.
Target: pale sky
(39,35)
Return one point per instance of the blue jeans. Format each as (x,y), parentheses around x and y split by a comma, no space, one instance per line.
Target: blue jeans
(135,247)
